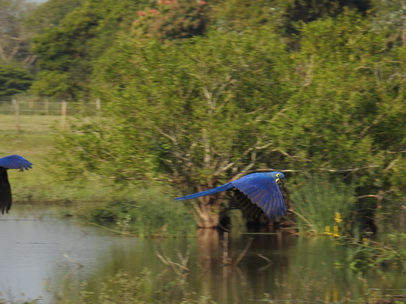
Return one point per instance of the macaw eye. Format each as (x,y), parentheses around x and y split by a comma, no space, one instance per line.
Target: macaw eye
(277,175)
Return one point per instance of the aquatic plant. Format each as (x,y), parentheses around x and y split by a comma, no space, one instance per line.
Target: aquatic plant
(148,212)
(323,205)
(124,288)
(369,254)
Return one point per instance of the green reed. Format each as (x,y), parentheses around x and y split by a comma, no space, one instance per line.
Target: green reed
(323,205)
(144,212)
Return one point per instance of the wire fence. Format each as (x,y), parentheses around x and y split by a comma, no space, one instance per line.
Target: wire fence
(29,115)
(46,107)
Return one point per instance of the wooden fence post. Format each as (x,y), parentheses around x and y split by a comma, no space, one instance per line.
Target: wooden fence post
(98,106)
(16,107)
(64,113)
(46,106)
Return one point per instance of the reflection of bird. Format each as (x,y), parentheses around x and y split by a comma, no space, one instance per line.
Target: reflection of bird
(260,189)
(9,162)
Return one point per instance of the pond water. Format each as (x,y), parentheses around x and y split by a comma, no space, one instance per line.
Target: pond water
(42,254)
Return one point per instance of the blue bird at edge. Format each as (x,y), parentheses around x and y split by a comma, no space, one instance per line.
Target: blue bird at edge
(260,189)
(9,162)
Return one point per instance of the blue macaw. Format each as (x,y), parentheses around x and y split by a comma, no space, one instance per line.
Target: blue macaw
(9,162)
(260,189)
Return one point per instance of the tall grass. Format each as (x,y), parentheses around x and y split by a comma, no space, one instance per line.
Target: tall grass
(149,211)
(323,205)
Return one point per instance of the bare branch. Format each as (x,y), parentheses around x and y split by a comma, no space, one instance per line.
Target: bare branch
(391,164)
(244,252)
(172,138)
(348,170)
(266,259)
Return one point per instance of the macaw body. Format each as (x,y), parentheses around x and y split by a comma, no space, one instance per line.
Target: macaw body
(260,189)
(9,162)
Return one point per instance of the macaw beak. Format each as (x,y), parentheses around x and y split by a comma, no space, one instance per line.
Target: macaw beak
(279,181)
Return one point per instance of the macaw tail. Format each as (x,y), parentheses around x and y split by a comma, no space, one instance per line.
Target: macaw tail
(207,192)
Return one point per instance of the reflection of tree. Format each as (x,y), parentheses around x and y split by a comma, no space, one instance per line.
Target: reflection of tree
(180,267)
(302,268)
(208,244)
(244,274)
(317,259)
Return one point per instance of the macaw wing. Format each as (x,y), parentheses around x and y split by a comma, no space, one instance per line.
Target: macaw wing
(5,192)
(250,211)
(263,191)
(15,162)
(207,192)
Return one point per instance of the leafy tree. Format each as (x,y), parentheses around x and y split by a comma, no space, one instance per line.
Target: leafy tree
(192,111)
(237,15)
(50,14)
(68,49)
(200,111)
(391,15)
(309,10)
(282,14)
(14,36)
(13,80)
(346,115)
(173,19)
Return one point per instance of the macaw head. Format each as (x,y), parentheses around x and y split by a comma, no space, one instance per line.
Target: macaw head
(277,176)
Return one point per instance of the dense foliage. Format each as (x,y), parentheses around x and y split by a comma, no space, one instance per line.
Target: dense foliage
(13,80)
(198,92)
(66,51)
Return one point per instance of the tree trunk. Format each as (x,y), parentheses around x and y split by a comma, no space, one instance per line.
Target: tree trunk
(208,211)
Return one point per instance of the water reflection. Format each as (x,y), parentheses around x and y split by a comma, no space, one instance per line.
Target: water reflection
(37,250)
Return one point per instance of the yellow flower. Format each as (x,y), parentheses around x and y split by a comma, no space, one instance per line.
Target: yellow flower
(327,230)
(338,218)
(335,231)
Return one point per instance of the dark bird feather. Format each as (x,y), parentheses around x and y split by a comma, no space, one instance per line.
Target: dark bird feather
(9,162)
(5,191)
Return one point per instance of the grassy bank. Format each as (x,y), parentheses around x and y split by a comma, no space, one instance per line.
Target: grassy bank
(34,141)
(128,209)
(41,184)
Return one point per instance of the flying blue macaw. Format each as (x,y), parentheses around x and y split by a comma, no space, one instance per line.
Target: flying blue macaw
(260,189)
(9,162)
